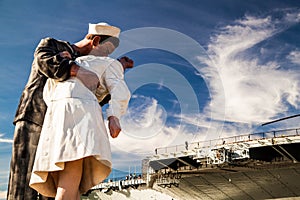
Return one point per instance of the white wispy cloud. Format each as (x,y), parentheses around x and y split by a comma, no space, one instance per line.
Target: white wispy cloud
(294,57)
(292,15)
(5,140)
(144,129)
(168,136)
(254,92)
(146,114)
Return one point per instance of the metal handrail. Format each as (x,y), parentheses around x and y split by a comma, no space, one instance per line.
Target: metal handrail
(227,140)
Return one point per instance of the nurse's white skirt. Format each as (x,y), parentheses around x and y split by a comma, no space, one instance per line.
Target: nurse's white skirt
(73,129)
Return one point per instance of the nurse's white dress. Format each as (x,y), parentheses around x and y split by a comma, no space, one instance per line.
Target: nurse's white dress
(74,127)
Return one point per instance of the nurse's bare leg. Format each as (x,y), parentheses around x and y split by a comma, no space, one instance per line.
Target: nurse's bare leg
(69,180)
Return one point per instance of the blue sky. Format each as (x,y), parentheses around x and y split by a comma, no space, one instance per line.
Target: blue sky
(204,69)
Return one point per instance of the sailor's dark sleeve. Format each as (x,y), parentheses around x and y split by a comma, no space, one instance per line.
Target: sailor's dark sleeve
(49,62)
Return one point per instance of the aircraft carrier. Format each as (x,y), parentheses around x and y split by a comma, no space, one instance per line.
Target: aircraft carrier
(254,166)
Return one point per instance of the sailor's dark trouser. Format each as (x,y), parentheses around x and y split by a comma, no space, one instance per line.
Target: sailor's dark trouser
(26,138)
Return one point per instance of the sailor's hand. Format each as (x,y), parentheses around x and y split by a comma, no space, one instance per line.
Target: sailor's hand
(88,78)
(114,126)
(126,62)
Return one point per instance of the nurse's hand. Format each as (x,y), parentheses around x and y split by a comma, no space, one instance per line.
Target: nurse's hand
(65,54)
(114,126)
